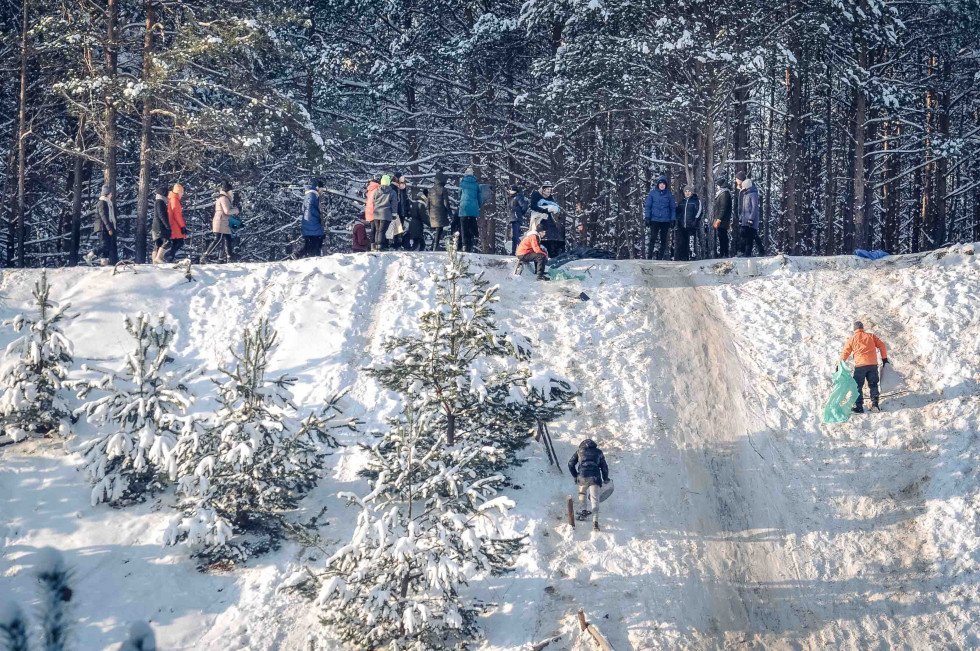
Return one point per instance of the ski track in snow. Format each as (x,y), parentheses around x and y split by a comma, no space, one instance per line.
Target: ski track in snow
(739,521)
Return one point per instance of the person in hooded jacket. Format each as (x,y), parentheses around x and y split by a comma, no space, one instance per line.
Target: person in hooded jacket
(369,200)
(723,215)
(361,241)
(439,208)
(748,214)
(589,470)
(385,204)
(405,205)
(312,223)
(105,226)
(178,228)
(470,199)
(659,212)
(688,219)
(224,209)
(530,251)
(517,206)
(160,226)
(415,236)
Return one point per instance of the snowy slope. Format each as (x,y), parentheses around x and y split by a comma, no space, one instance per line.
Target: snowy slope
(738,518)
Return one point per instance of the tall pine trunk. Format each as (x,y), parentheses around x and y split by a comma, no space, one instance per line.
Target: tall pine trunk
(22,141)
(111,65)
(76,195)
(146,134)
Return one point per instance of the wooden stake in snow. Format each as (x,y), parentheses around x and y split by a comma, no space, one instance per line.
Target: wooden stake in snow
(571,512)
(594,631)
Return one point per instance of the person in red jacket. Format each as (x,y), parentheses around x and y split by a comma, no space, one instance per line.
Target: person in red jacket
(178,228)
(529,250)
(865,347)
(362,242)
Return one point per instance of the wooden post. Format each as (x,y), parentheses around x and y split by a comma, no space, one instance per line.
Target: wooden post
(571,512)
(581,620)
(594,631)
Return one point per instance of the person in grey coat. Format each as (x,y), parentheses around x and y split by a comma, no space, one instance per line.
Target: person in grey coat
(385,205)
(748,214)
(439,208)
(105,226)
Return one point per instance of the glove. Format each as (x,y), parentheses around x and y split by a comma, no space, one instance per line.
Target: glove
(717,223)
(884,360)
(183,231)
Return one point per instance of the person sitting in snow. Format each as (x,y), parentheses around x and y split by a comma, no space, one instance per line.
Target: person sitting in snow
(589,470)
(865,347)
(529,250)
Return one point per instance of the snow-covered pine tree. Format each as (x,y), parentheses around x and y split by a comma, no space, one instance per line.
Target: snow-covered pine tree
(473,382)
(430,525)
(138,415)
(249,461)
(13,627)
(34,370)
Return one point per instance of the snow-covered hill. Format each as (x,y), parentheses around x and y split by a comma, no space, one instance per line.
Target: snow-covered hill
(738,518)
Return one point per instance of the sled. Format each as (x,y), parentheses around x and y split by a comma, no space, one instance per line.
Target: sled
(606,490)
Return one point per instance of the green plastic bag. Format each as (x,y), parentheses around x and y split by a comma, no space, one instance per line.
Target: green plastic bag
(561,274)
(842,397)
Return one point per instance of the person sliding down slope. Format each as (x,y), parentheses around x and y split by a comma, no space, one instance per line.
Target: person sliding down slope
(589,470)
(865,346)
(529,250)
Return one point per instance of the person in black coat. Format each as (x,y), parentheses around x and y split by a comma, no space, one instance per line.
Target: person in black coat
(723,216)
(105,226)
(160,226)
(589,470)
(415,237)
(688,219)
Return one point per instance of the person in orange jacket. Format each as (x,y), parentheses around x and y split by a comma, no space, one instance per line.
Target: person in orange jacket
(529,250)
(178,228)
(865,348)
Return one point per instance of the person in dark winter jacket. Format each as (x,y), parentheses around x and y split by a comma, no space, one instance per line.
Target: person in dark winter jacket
(589,470)
(385,205)
(748,214)
(362,242)
(542,206)
(405,207)
(312,221)
(688,219)
(160,226)
(659,213)
(723,215)
(105,226)
(438,207)
(415,236)
(470,199)
(517,205)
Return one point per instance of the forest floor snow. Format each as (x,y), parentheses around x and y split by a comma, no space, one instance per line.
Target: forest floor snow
(739,520)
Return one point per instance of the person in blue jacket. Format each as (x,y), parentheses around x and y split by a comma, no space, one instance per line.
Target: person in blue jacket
(469,209)
(312,223)
(659,212)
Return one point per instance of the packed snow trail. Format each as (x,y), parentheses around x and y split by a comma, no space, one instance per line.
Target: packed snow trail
(738,520)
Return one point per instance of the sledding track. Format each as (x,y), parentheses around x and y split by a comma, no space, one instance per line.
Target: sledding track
(738,520)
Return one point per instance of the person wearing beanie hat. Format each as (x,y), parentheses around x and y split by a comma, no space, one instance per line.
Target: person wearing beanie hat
(659,212)
(160,226)
(543,208)
(865,347)
(224,209)
(688,219)
(178,228)
(105,226)
(439,208)
(749,214)
(722,211)
(382,202)
(470,200)
(311,221)
(517,205)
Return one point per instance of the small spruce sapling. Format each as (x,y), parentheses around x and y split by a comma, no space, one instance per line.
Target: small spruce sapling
(252,460)
(140,414)
(34,370)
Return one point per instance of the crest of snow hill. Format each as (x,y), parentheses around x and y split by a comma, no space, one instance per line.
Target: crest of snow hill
(434,517)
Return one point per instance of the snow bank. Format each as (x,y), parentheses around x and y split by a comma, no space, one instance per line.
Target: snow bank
(738,518)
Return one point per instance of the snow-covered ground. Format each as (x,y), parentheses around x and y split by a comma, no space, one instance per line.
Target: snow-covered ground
(738,519)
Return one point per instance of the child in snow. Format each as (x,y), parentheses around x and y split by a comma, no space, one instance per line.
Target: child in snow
(529,250)
(589,470)
(865,347)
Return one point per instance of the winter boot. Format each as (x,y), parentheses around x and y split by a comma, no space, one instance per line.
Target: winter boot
(875,408)
(543,277)
(583,514)
(857,409)
(595,525)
